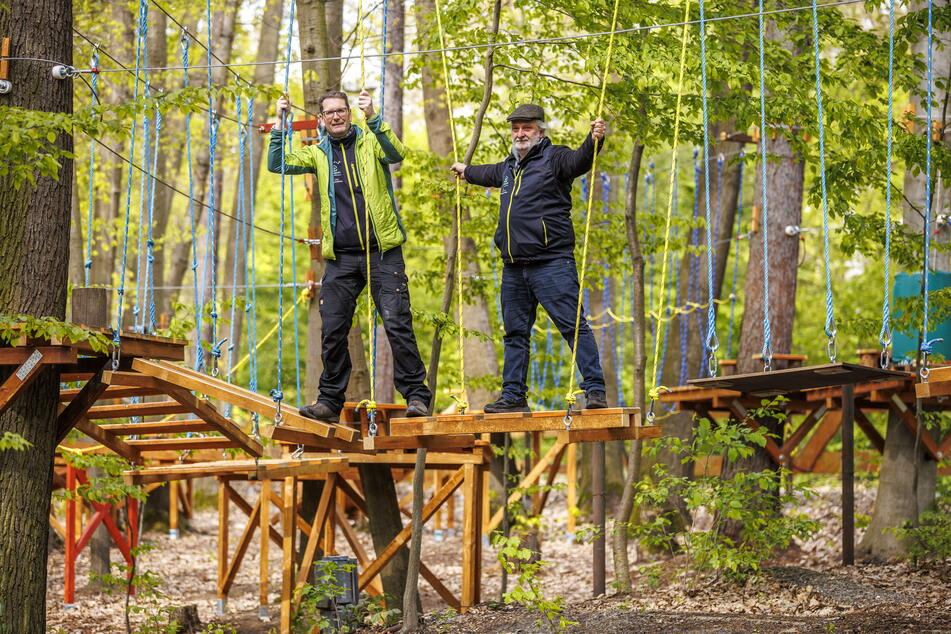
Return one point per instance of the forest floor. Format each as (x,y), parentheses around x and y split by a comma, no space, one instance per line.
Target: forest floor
(804,590)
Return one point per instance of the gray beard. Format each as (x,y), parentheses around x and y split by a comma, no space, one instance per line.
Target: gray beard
(527,150)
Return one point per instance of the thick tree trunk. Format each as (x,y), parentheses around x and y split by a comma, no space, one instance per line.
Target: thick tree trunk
(897,500)
(32,281)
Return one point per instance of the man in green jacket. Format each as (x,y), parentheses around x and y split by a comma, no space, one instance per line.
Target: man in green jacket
(358,214)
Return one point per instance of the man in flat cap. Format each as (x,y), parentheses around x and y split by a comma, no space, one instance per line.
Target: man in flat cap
(536,239)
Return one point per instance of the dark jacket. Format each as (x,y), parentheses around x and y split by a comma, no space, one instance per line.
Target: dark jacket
(535,205)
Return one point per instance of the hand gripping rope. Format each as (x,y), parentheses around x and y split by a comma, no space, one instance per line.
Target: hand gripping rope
(571,394)
(655,392)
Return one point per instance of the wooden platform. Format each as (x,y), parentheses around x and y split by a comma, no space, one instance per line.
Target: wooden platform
(250,469)
(588,419)
(793,380)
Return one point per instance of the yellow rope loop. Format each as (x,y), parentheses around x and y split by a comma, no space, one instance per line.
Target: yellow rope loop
(368,404)
(587,222)
(670,194)
(654,394)
(458,205)
(462,405)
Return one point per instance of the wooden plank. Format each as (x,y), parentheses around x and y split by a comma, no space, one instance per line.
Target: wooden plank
(20,379)
(433,443)
(604,435)
(571,495)
(146,445)
(207,412)
(4,52)
(384,557)
(911,422)
(529,480)
(932,388)
(79,406)
(133,345)
(324,506)
(824,394)
(283,469)
(239,397)
(287,434)
(196,426)
(244,542)
(800,432)
(49,355)
(435,459)
(287,560)
(108,439)
(444,593)
(472,536)
(245,508)
(112,392)
(797,379)
(223,567)
(806,459)
(254,469)
(529,422)
(128,410)
(869,429)
(264,567)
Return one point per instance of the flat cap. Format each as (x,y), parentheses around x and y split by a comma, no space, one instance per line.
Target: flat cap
(527,112)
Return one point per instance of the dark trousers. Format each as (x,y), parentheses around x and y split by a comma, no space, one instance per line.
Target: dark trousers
(554,285)
(344,280)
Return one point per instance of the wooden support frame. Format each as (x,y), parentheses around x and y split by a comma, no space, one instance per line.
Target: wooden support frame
(107,439)
(529,480)
(23,376)
(83,402)
(252,469)
(806,459)
(911,422)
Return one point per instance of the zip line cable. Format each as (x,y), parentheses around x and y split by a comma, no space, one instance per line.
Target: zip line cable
(521,42)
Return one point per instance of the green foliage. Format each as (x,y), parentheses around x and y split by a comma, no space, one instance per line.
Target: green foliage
(515,558)
(320,595)
(750,501)
(12,327)
(107,488)
(16,442)
(929,538)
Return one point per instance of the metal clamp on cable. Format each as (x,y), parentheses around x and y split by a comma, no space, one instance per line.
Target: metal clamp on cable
(370,407)
(63,71)
(927,348)
(886,342)
(570,399)
(653,395)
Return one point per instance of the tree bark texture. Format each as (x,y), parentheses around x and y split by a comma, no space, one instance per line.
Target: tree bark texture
(32,281)
(897,501)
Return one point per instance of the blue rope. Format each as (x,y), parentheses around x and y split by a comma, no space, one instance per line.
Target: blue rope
(87,265)
(386,15)
(211,252)
(693,294)
(711,344)
(296,303)
(142,28)
(199,350)
(927,344)
(736,259)
(250,289)
(137,310)
(150,240)
(885,335)
(239,240)
(830,328)
(767,329)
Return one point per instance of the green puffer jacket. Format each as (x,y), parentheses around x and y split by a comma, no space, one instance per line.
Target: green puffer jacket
(373,153)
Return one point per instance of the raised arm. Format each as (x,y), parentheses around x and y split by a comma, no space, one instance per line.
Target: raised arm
(296,162)
(571,164)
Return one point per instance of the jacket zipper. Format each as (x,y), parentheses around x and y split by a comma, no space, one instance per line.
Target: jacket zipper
(545,231)
(353,199)
(516,185)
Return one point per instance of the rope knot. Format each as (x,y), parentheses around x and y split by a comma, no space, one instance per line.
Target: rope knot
(277,395)
(927,346)
(216,349)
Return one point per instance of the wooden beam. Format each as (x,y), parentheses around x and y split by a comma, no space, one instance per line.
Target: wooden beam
(806,459)
(633,432)
(911,422)
(790,444)
(432,443)
(869,429)
(542,498)
(20,379)
(245,508)
(290,435)
(146,445)
(49,355)
(112,392)
(472,536)
(244,542)
(264,567)
(444,593)
(433,459)
(108,439)
(384,557)
(260,469)
(287,568)
(239,397)
(324,507)
(528,481)
(517,422)
(207,412)
(223,567)
(79,406)
(196,426)
(933,388)
(128,410)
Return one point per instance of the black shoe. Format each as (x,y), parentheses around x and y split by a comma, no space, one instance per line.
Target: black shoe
(595,400)
(506,405)
(321,411)
(416,408)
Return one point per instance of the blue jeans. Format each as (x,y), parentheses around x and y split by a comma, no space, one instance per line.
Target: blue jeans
(554,285)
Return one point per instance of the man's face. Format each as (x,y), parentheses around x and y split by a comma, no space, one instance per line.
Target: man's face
(525,135)
(336,116)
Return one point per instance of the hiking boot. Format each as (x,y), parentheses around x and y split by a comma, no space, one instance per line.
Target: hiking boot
(506,405)
(595,400)
(416,408)
(321,411)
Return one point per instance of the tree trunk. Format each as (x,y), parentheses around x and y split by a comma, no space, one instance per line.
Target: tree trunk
(32,281)
(897,500)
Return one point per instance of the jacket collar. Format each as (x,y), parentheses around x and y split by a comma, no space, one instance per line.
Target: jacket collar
(324,142)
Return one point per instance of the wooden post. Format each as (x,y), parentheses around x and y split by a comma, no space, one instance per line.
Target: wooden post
(597,508)
(173,487)
(329,545)
(265,534)
(289,517)
(571,494)
(848,474)
(471,536)
(70,555)
(89,307)
(222,544)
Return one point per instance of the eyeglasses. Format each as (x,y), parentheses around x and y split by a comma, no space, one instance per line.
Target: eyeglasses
(339,112)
